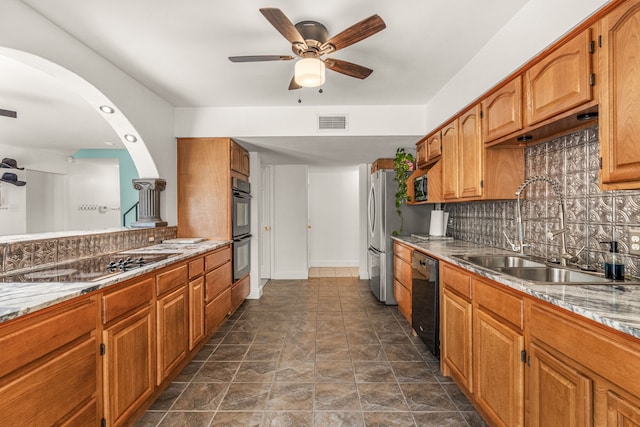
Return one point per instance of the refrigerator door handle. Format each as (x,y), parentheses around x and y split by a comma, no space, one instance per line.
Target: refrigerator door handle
(372,209)
(374,251)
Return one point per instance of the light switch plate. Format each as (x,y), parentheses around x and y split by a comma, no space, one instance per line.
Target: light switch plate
(634,237)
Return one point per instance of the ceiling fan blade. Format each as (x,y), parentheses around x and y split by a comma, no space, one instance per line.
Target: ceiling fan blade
(293,85)
(259,58)
(8,113)
(348,68)
(281,23)
(360,31)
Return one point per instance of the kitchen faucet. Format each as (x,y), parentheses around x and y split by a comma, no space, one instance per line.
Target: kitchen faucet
(555,185)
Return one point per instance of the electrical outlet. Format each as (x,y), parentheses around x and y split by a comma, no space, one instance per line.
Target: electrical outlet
(634,237)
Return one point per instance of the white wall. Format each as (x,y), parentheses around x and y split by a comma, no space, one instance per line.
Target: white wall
(152,117)
(290,222)
(47,202)
(334,217)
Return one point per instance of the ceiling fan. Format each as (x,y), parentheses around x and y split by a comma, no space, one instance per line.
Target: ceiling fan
(310,41)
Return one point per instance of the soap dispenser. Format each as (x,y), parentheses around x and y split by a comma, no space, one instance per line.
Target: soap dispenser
(613,262)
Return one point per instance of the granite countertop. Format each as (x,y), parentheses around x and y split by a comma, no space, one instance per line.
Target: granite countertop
(18,299)
(616,306)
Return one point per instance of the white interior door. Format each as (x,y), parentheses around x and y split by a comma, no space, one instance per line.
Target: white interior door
(265,222)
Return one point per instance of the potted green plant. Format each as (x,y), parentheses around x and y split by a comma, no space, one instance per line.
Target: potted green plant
(404,165)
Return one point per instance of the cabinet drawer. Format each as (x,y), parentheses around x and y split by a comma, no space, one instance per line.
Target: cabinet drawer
(456,280)
(126,299)
(503,304)
(217,310)
(171,279)
(51,390)
(217,281)
(403,298)
(609,354)
(239,292)
(217,258)
(196,267)
(402,272)
(27,340)
(402,251)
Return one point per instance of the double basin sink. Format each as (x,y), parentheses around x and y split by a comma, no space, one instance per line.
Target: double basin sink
(526,268)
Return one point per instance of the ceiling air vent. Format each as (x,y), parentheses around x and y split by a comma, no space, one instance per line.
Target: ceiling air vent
(336,122)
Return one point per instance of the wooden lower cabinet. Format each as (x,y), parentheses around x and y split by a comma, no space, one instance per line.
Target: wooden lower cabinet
(499,373)
(129,364)
(403,279)
(217,310)
(239,292)
(456,338)
(559,394)
(172,331)
(49,374)
(196,311)
(621,412)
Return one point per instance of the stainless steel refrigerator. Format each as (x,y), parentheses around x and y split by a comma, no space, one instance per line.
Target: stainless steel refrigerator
(382,221)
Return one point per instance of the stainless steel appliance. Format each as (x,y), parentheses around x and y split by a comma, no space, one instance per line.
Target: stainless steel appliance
(383,220)
(425,301)
(421,188)
(241,227)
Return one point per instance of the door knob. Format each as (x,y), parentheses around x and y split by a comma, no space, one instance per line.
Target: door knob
(308,226)
(267,228)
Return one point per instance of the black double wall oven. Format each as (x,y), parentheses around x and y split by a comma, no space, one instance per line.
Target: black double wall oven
(241,227)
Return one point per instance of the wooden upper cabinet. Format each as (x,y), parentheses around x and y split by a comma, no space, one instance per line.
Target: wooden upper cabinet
(429,150)
(450,160)
(462,156)
(502,111)
(560,81)
(421,153)
(239,159)
(619,120)
(470,154)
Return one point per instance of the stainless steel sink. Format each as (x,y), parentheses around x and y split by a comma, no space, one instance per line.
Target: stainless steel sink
(499,261)
(552,275)
(525,268)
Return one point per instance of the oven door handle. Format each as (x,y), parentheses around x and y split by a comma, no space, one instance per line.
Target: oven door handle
(242,238)
(241,194)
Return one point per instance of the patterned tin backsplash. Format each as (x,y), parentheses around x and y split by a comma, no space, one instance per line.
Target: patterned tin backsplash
(26,254)
(592,215)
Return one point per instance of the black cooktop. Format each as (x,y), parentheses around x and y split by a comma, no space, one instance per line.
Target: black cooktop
(89,269)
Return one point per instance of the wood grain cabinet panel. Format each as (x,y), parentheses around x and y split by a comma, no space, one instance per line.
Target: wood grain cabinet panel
(456,338)
(450,160)
(559,394)
(239,292)
(128,365)
(470,152)
(621,412)
(218,280)
(172,331)
(217,310)
(560,82)
(196,312)
(403,298)
(499,372)
(502,111)
(619,120)
(421,153)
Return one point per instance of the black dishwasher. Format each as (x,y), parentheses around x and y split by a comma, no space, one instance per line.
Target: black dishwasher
(425,301)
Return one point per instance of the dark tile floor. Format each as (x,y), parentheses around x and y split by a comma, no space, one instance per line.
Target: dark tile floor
(318,352)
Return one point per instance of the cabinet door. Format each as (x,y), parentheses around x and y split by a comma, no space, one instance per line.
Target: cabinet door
(498,369)
(172,330)
(470,149)
(621,412)
(619,119)
(403,298)
(559,394)
(421,153)
(502,111)
(434,147)
(128,365)
(456,337)
(560,81)
(196,311)
(244,163)
(450,160)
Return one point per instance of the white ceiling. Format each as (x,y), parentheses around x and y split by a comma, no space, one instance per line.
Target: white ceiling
(179,49)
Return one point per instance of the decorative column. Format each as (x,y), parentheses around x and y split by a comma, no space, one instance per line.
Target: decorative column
(149,197)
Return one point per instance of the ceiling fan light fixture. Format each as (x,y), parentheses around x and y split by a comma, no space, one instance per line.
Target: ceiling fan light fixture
(310,72)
